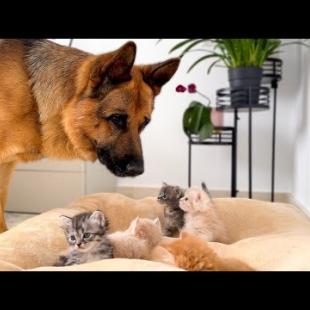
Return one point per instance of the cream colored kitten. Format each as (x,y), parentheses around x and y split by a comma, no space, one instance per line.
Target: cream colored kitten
(201,218)
(138,240)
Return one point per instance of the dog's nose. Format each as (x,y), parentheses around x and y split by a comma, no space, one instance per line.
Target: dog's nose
(134,168)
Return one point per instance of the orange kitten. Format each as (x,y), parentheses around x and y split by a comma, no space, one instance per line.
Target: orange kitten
(201,218)
(138,240)
(193,254)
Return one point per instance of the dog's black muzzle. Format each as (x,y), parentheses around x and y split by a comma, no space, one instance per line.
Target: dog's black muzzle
(127,166)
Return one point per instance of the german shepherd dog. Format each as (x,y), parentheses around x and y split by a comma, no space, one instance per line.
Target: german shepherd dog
(63,103)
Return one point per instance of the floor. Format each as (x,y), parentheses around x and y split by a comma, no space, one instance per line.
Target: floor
(12,218)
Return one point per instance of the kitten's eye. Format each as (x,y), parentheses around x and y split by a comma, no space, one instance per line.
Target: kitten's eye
(118,120)
(72,238)
(86,236)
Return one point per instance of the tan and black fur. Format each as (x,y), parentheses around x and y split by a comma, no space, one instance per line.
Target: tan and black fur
(63,103)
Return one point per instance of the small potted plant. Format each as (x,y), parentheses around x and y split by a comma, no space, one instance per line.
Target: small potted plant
(244,59)
(199,119)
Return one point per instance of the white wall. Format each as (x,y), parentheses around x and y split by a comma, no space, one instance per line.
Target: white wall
(165,145)
(301,177)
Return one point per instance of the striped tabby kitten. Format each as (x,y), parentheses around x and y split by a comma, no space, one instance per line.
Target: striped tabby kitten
(169,196)
(86,235)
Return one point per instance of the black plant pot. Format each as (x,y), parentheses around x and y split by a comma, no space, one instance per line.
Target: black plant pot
(245,85)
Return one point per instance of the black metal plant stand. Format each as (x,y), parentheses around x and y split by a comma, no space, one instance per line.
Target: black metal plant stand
(272,73)
(224,136)
(244,98)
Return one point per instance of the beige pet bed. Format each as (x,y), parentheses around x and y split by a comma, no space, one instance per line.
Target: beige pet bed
(268,236)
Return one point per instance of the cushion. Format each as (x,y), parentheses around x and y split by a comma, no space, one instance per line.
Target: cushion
(116,264)
(268,236)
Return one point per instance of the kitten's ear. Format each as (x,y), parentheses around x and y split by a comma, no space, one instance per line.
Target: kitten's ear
(180,193)
(165,184)
(98,218)
(134,223)
(157,222)
(139,230)
(66,221)
(204,187)
(183,234)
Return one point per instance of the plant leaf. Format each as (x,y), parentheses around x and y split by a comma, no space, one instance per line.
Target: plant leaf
(212,65)
(179,45)
(203,58)
(189,47)
(197,120)
(205,131)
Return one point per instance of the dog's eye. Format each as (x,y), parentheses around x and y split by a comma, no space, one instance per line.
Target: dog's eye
(119,120)
(143,125)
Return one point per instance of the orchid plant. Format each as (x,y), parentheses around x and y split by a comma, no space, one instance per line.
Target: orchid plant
(197,117)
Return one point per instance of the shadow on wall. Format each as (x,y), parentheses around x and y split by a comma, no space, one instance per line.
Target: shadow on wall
(301,158)
(291,68)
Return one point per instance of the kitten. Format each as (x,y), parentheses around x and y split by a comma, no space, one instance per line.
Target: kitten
(170,196)
(86,235)
(201,217)
(193,254)
(138,240)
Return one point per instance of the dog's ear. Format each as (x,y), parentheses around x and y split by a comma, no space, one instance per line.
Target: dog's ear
(157,75)
(115,69)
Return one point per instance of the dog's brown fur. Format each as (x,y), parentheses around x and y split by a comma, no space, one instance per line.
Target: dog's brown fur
(57,102)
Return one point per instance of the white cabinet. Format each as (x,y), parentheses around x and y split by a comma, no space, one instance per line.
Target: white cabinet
(48,184)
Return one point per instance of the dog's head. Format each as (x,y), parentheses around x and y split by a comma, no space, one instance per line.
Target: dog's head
(114,105)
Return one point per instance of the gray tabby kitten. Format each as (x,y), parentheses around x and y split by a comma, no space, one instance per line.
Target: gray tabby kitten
(169,196)
(86,235)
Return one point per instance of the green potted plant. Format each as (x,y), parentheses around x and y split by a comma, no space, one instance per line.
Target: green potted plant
(198,119)
(244,59)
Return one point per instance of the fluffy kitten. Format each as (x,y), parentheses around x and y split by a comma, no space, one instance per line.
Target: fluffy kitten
(193,254)
(138,240)
(86,235)
(201,218)
(170,196)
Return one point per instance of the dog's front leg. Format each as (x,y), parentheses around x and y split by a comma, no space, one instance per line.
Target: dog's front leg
(6,170)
